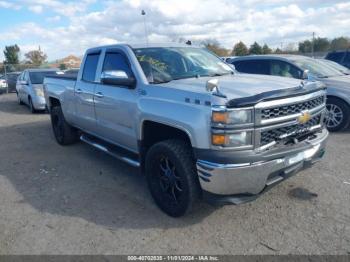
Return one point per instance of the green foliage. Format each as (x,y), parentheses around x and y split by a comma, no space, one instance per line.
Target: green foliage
(340,43)
(321,44)
(240,49)
(266,49)
(255,49)
(62,67)
(11,54)
(305,46)
(278,51)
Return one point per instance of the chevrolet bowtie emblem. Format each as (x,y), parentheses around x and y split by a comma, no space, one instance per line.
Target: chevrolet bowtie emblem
(305,117)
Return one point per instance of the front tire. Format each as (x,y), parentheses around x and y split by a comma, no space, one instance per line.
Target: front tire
(19,101)
(31,106)
(338,113)
(172,177)
(64,133)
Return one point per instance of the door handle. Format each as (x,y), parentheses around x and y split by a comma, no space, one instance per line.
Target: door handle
(99,95)
(78,91)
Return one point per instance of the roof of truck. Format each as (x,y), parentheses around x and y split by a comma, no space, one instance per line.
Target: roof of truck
(143,45)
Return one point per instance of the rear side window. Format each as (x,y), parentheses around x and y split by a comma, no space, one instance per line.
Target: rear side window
(261,67)
(90,67)
(116,61)
(336,56)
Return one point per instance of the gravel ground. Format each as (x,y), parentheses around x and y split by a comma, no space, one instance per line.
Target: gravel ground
(76,200)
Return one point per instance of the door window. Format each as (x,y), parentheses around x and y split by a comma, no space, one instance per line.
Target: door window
(261,67)
(90,67)
(116,61)
(281,68)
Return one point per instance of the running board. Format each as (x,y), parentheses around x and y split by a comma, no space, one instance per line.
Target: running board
(109,149)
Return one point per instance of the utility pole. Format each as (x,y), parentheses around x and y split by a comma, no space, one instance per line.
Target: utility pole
(143,13)
(312,46)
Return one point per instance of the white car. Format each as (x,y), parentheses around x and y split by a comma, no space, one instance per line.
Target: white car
(3,84)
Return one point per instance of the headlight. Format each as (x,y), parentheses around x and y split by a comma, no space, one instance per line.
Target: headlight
(239,116)
(39,91)
(237,139)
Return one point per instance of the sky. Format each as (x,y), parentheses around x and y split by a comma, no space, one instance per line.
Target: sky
(67,27)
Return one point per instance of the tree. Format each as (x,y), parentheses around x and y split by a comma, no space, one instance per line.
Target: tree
(255,49)
(240,49)
(62,66)
(11,54)
(321,44)
(215,47)
(305,46)
(36,57)
(278,51)
(266,49)
(340,43)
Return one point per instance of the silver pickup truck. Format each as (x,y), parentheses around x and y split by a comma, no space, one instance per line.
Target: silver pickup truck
(195,127)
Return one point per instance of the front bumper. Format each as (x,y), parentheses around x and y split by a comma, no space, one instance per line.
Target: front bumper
(39,102)
(249,179)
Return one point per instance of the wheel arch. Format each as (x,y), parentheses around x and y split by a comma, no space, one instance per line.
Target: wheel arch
(153,131)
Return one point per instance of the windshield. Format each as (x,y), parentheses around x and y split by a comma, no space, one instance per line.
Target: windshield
(317,68)
(336,66)
(38,77)
(171,63)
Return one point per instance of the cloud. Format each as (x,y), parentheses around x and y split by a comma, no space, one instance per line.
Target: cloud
(36,9)
(227,21)
(52,19)
(10,5)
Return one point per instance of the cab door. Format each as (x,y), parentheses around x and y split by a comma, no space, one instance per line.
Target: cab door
(84,94)
(115,106)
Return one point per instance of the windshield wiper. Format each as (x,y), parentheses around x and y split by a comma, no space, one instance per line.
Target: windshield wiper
(184,77)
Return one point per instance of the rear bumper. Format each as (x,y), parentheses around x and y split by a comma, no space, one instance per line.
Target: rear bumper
(249,179)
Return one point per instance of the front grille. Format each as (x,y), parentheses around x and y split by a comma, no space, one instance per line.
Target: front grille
(297,130)
(291,109)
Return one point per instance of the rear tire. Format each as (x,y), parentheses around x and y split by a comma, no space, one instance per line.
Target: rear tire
(64,133)
(172,177)
(338,114)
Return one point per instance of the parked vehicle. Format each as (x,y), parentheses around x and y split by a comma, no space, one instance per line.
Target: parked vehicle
(341,57)
(183,116)
(336,66)
(29,88)
(71,71)
(3,84)
(11,79)
(300,67)
(227,59)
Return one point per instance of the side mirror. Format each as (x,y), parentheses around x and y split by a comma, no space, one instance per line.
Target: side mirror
(23,82)
(305,75)
(117,78)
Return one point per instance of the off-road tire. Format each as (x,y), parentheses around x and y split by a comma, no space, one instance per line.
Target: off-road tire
(63,132)
(179,153)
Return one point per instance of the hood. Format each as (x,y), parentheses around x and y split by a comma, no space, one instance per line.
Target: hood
(38,86)
(238,85)
(342,82)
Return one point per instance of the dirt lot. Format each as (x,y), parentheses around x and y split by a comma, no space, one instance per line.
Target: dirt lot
(76,200)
